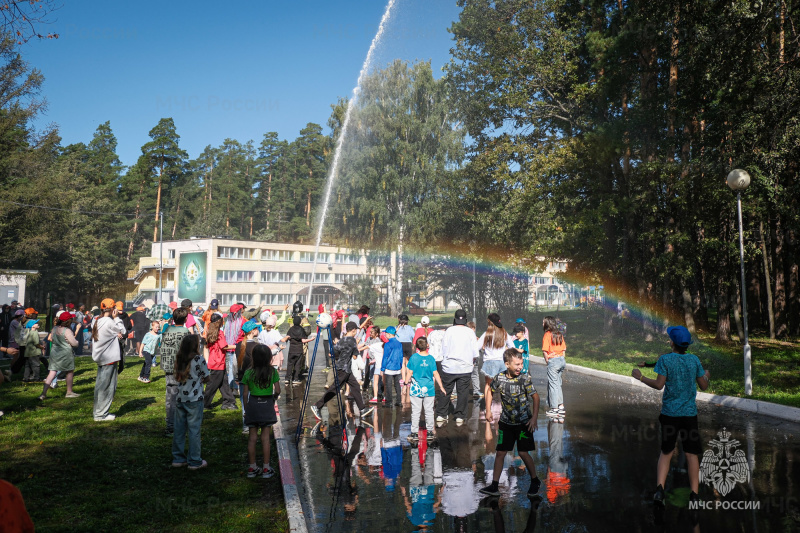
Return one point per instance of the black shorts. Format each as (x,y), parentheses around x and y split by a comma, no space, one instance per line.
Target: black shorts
(408,350)
(683,428)
(508,435)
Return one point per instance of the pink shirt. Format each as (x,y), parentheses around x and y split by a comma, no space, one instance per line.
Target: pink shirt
(216,353)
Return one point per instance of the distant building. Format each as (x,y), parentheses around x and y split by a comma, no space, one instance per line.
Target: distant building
(253,272)
(12,285)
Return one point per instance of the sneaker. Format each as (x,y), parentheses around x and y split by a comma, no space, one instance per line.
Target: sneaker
(198,467)
(178,465)
(383,400)
(441,419)
(533,490)
(459,421)
(658,496)
(316,412)
(229,408)
(367,411)
(72,395)
(253,471)
(287,382)
(245,431)
(413,437)
(373,400)
(268,472)
(558,420)
(552,413)
(297,382)
(431,436)
(490,490)
(107,418)
(53,384)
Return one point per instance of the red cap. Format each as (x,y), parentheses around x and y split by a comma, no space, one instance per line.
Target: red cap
(66,316)
(235,308)
(70,306)
(173,305)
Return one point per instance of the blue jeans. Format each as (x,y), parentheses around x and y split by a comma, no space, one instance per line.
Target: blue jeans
(188,419)
(555,367)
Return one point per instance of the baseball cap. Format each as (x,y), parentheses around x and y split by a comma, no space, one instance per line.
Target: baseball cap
(58,315)
(107,303)
(65,316)
(680,336)
(521,321)
(19,312)
(30,323)
(120,306)
(70,306)
(270,320)
(214,304)
(425,321)
(186,302)
(460,318)
(391,330)
(31,311)
(250,325)
(173,305)
(235,308)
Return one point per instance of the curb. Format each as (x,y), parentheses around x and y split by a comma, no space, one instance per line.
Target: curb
(294,507)
(783,412)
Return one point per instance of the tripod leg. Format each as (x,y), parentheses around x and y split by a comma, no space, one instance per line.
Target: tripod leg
(305,393)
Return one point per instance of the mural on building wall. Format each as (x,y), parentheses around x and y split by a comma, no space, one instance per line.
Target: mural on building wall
(193,276)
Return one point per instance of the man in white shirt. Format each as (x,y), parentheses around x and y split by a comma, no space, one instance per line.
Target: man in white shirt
(459,350)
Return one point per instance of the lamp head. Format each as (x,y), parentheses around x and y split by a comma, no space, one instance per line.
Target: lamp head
(738,179)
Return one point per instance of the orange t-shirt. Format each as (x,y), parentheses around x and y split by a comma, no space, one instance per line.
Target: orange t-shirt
(13,515)
(549,347)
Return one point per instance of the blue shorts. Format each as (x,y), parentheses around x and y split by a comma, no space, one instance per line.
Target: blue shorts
(492,368)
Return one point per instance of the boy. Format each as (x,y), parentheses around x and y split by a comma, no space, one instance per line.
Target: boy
(391,366)
(521,345)
(516,423)
(677,373)
(171,338)
(422,373)
(343,352)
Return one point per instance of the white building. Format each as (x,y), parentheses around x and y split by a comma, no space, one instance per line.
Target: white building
(12,285)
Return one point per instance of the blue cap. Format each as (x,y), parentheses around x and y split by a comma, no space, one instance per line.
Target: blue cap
(680,336)
(391,330)
(166,316)
(250,325)
(520,321)
(30,323)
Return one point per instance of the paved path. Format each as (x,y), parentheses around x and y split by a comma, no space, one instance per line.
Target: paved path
(598,469)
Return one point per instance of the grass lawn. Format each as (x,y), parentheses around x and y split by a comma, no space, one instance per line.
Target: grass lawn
(79,475)
(775,365)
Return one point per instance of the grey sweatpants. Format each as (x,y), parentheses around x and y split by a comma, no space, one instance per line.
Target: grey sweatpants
(104,388)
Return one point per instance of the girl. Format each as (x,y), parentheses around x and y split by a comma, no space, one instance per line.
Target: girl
(405,334)
(494,342)
(147,349)
(218,345)
(261,386)
(190,372)
(61,357)
(244,361)
(521,344)
(107,334)
(422,373)
(270,336)
(554,349)
(375,345)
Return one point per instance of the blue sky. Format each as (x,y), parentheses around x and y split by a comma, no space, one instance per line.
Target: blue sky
(233,70)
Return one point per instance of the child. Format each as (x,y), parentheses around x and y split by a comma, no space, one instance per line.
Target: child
(107,332)
(147,349)
(33,349)
(261,386)
(421,370)
(521,345)
(297,338)
(61,358)
(677,373)
(375,345)
(391,366)
(171,338)
(516,424)
(554,350)
(218,347)
(270,336)
(190,373)
(244,361)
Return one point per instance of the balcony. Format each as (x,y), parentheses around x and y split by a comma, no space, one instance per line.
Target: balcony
(146,264)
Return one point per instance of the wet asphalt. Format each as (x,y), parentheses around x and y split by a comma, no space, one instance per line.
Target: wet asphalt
(597,469)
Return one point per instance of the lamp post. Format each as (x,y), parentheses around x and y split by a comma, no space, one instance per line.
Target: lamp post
(161,258)
(738,180)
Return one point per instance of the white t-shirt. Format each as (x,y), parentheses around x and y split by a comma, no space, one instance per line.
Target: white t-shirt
(376,353)
(459,350)
(357,368)
(435,339)
(268,338)
(495,354)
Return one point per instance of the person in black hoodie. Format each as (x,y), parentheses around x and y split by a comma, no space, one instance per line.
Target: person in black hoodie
(343,354)
(297,338)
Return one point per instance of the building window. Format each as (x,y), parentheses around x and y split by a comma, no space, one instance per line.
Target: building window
(344,278)
(380,280)
(230,299)
(308,257)
(277,277)
(347,259)
(232,252)
(539,280)
(277,255)
(305,277)
(278,299)
(170,254)
(170,276)
(241,276)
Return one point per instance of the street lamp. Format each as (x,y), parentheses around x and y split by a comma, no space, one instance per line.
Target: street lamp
(739,180)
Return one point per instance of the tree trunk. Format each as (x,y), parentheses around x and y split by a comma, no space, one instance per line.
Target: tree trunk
(768,284)
(779,295)
(399,303)
(723,311)
(794,283)
(688,315)
(135,220)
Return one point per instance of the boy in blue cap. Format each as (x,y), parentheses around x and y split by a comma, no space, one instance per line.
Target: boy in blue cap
(677,372)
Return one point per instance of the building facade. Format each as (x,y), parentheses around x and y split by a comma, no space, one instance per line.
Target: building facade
(253,272)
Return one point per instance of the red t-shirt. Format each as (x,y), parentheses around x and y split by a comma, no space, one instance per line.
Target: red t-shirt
(216,353)
(13,515)
(421,332)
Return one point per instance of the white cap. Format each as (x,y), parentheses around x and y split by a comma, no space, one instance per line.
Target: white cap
(425,321)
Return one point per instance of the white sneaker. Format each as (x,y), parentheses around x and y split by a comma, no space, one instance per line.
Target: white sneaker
(107,418)
(316,412)
(459,421)
(441,419)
